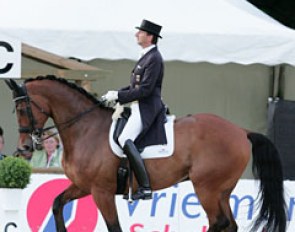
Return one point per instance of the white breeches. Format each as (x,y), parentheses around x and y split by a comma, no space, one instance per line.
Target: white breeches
(133,126)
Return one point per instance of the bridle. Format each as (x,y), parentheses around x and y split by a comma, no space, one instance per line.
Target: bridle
(37,132)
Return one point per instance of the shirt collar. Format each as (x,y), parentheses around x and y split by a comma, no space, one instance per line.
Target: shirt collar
(147,49)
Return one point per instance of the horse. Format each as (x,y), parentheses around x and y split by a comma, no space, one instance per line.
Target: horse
(209,151)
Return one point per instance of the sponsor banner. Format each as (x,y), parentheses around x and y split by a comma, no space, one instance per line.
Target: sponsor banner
(10,57)
(174,209)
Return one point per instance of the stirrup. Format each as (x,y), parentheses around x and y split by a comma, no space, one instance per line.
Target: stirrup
(142,194)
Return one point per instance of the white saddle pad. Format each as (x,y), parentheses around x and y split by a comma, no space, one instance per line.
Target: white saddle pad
(155,151)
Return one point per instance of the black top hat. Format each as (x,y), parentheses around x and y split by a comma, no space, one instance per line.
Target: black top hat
(150,27)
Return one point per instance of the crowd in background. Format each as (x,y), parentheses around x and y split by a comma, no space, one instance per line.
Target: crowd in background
(1,143)
(50,154)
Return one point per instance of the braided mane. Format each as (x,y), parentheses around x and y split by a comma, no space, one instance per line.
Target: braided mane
(69,84)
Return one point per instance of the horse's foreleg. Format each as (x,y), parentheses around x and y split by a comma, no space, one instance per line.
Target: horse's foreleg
(57,210)
(105,201)
(71,193)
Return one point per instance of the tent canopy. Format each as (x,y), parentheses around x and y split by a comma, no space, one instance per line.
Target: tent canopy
(216,31)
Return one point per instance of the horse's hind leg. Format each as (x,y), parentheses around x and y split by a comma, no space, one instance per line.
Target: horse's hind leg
(225,206)
(105,201)
(71,193)
(210,200)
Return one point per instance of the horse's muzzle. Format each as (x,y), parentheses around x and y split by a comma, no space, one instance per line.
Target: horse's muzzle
(23,152)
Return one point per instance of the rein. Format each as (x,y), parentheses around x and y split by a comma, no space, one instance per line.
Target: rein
(71,121)
(36,133)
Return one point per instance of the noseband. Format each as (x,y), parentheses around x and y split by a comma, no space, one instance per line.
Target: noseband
(35,132)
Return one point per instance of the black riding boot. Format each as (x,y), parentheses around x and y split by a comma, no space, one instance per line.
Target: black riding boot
(144,191)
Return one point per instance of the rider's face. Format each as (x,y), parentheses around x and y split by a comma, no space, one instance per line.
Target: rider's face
(143,38)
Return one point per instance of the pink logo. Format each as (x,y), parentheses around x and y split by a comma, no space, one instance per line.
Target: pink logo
(79,215)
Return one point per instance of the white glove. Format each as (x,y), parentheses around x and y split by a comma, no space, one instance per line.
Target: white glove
(111,96)
(118,110)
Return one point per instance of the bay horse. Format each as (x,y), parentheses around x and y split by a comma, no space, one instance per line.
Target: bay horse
(209,151)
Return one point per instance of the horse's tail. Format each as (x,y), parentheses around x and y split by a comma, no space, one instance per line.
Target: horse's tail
(268,168)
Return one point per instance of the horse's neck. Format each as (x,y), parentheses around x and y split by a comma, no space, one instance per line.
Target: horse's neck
(69,111)
(86,134)
(67,106)
(80,120)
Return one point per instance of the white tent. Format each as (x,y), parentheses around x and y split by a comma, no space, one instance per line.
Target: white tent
(216,31)
(202,33)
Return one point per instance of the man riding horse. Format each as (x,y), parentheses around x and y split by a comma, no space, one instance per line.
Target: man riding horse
(145,125)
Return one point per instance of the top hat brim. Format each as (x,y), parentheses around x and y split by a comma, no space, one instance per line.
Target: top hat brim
(149,31)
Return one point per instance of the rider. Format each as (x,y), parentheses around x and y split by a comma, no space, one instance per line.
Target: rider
(145,126)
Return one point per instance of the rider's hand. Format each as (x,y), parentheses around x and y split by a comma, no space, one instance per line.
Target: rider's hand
(111,96)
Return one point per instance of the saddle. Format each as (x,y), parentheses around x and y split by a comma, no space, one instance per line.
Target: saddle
(155,151)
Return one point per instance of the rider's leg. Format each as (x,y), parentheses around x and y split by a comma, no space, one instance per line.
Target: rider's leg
(131,130)
(137,164)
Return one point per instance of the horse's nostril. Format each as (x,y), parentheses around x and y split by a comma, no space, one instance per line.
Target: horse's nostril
(27,148)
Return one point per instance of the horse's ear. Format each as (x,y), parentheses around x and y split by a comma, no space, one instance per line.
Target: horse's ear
(15,87)
(9,84)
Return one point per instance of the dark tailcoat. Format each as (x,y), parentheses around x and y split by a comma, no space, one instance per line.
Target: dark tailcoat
(145,87)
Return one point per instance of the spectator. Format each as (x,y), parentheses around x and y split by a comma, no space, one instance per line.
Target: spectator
(51,154)
(1,144)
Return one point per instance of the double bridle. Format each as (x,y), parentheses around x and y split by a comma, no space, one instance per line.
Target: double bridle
(37,132)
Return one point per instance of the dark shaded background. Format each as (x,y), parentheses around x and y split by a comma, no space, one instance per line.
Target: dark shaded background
(281,10)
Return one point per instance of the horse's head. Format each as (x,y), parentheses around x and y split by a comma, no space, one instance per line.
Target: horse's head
(31,114)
